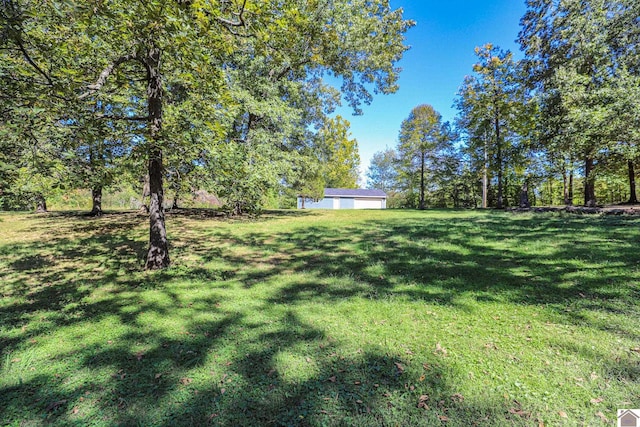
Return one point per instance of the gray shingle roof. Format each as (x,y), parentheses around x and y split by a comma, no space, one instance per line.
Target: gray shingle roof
(353,192)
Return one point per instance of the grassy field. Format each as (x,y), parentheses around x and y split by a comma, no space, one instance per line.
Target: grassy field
(360,318)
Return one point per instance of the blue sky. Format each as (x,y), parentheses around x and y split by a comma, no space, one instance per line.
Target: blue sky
(441,55)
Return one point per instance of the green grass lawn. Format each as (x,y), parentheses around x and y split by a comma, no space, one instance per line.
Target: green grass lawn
(320,318)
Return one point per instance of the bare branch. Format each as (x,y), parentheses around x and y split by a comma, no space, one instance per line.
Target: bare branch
(239,21)
(102,79)
(26,55)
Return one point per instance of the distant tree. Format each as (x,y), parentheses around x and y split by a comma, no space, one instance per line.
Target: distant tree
(382,173)
(490,106)
(421,140)
(341,157)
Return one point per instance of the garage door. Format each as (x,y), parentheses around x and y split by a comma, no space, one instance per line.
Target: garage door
(368,204)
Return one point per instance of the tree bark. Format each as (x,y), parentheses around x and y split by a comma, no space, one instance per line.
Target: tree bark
(633,198)
(158,254)
(96,200)
(589,184)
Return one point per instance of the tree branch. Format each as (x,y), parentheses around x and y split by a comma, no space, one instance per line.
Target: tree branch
(239,22)
(102,79)
(26,55)
(126,118)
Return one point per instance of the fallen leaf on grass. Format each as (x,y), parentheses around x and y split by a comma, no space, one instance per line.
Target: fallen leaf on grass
(332,379)
(519,412)
(185,381)
(422,401)
(399,367)
(440,350)
(443,418)
(602,417)
(563,414)
(636,349)
(597,400)
(457,397)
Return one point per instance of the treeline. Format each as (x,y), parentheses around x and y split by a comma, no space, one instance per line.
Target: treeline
(561,126)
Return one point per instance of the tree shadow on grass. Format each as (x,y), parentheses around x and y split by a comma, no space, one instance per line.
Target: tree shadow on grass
(223,369)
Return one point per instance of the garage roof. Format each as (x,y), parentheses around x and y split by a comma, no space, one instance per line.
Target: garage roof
(353,192)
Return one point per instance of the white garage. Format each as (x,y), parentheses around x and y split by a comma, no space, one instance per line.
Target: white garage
(372,203)
(346,198)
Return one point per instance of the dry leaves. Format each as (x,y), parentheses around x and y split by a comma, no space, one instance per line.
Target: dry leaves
(440,350)
(399,367)
(457,398)
(563,414)
(597,400)
(602,417)
(422,401)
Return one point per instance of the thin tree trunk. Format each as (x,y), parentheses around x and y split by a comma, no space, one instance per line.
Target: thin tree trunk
(633,198)
(565,187)
(422,161)
(500,203)
(41,203)
(485,175)
(158,254)
(571,187)
(96,200)
(589,184)
(524,194)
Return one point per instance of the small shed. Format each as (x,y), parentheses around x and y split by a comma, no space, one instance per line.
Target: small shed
(346,198)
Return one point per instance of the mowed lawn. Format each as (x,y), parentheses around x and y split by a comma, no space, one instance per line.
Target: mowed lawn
(363,318)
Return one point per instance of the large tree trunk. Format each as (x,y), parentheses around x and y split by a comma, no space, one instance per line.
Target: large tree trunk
(96,201)
(422,161)
(633,198)
(158,255)
(41,203)
(589,183)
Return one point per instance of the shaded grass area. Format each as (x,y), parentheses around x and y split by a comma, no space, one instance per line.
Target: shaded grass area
(320,318)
